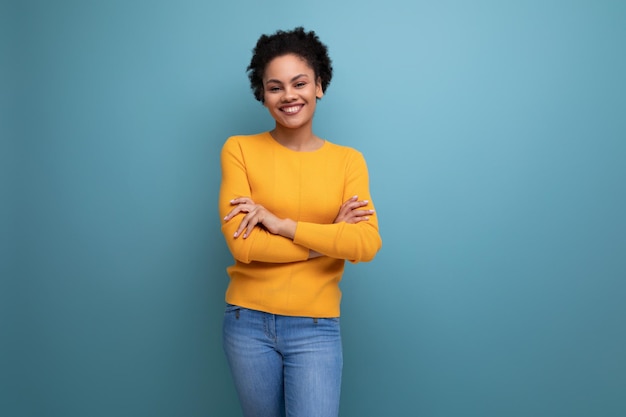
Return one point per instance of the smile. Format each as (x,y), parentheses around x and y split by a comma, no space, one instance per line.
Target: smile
(292,109)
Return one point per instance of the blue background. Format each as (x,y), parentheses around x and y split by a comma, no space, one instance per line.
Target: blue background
(495,134)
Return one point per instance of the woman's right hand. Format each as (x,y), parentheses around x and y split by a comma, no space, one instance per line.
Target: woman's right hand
(256,214)
(351,213)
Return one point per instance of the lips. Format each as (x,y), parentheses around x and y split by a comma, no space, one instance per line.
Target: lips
(292,109)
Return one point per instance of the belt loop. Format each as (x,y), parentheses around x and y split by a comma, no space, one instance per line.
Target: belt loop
(315,320)
(237,314)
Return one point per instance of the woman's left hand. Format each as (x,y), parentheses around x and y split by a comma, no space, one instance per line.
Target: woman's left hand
(350,211)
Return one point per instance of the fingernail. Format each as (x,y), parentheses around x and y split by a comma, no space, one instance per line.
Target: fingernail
(235,235)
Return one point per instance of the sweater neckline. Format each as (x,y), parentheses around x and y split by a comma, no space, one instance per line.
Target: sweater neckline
(271,139)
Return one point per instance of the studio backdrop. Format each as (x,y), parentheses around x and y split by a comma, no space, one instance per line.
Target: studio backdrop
(495,136)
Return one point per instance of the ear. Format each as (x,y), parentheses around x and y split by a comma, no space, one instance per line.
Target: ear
(319,92)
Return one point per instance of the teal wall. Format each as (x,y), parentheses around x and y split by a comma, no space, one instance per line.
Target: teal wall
(495,134)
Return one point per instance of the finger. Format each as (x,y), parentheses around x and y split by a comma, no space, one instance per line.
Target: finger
(361,213)
(241,200)
(247,224)
(242,226)
(356,204)
(356,216)
(346,203)
(242,208)
(252,223)
(349,201)
(240,229)
(351,205)
(257,217)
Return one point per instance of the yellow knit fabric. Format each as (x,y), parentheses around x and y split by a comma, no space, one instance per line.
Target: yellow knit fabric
(271,273)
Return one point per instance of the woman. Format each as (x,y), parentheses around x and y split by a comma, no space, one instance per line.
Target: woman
(294,208)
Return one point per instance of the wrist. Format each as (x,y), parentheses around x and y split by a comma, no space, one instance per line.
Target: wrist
(288,228)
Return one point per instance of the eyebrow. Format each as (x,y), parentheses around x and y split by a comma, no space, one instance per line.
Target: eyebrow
(292,80)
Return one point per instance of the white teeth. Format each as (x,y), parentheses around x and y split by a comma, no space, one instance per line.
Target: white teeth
(291,109)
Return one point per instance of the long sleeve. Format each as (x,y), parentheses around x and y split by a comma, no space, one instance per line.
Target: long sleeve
(354,242)
(260,245)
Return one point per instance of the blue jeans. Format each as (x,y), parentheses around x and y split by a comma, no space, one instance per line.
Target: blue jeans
(283,366)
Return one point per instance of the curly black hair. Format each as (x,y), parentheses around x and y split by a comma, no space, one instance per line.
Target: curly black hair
(298,42)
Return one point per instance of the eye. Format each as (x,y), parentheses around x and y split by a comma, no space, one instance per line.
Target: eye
(300,84)
(273,89)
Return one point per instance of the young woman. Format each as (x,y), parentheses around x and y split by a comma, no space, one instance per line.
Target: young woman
(294,207)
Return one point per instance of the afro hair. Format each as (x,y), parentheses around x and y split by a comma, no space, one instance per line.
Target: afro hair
(304,44)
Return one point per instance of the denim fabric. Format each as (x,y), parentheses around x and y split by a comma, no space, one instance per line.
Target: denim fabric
(283,366)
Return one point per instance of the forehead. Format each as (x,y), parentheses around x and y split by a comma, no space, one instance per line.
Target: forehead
(286,67)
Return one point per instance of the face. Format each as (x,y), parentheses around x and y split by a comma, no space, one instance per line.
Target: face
(290,91)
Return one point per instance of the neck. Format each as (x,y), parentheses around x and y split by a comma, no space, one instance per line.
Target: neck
(301,139)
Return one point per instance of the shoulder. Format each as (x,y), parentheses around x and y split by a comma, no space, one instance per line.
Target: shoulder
(244,143)
(243,140)
(344,152)
(342,149)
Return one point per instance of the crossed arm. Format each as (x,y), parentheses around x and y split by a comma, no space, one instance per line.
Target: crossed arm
(256,215)
(254,233)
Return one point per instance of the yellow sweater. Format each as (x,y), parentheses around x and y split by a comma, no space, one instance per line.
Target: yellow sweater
(272,273)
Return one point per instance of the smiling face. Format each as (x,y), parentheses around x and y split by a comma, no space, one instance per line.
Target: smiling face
(290,91)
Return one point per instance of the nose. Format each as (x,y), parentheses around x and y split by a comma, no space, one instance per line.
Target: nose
(289,94)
